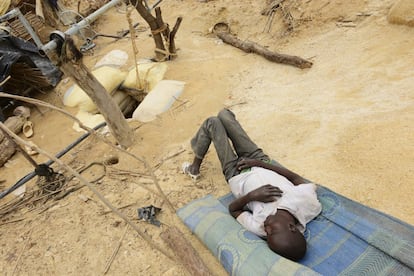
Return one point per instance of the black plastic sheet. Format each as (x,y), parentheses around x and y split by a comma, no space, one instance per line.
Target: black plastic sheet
(14,49)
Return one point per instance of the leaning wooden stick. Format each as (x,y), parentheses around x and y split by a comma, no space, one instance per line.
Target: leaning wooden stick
(44,104)
(134,48)
(143,235)
(109,263)
(251,47)
(184,251)
(3,82)
(73,66)
(103,139)
(29,234)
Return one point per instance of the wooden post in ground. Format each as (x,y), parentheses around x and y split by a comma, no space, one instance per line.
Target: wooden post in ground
(164,39)
(72,66)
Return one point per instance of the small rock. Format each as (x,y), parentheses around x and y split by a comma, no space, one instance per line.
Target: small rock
(83,198)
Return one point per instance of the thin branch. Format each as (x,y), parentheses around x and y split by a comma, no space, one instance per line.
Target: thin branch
(3,82)
(108,265)
(134,47)
(169,157)
(122,207)
(143,235)
(181,104)
(95,133)
(44,104)
(23,250)
(12,221)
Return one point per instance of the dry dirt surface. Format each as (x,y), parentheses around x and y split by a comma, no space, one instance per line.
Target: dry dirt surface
(346,123)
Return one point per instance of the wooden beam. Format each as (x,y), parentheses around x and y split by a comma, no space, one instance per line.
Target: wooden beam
(251,47)
(72,66)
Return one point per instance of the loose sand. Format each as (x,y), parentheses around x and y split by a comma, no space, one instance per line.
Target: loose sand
(347,123)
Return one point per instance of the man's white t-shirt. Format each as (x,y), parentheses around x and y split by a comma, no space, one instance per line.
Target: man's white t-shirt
(301,200)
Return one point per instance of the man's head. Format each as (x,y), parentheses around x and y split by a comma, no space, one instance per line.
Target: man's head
(284,238)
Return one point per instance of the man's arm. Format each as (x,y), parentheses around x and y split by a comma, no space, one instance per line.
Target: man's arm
(291,176)
(266,193)
(236,207)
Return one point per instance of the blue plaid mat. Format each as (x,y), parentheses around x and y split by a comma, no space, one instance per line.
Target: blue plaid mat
(347,238)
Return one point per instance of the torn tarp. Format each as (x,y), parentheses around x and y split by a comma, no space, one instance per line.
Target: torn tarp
(28,70)
(21,60)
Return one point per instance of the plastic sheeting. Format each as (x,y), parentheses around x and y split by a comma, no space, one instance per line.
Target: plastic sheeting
(14,49)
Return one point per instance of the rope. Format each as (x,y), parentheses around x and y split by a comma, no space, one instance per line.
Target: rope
(166,53)
(160,29)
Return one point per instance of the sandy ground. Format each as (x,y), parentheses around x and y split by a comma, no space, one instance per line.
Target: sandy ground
(347,123)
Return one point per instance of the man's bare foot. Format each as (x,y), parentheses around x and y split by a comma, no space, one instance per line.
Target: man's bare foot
(192,169)
(195,166)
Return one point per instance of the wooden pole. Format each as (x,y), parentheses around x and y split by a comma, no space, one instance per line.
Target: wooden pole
(164,48)
(72,66)
(155,29)
(173,49)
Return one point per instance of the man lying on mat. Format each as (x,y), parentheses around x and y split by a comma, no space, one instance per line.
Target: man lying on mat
(271,201)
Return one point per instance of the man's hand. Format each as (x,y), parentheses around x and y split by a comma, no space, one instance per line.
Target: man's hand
(246,163)
(266,193)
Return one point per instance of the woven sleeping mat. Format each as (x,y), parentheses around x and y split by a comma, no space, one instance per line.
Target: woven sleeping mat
(347,238)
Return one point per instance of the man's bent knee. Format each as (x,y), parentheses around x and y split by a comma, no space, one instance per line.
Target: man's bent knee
(225,114)
(212,122)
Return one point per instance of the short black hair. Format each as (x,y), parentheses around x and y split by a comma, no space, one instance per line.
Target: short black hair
(291,245)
